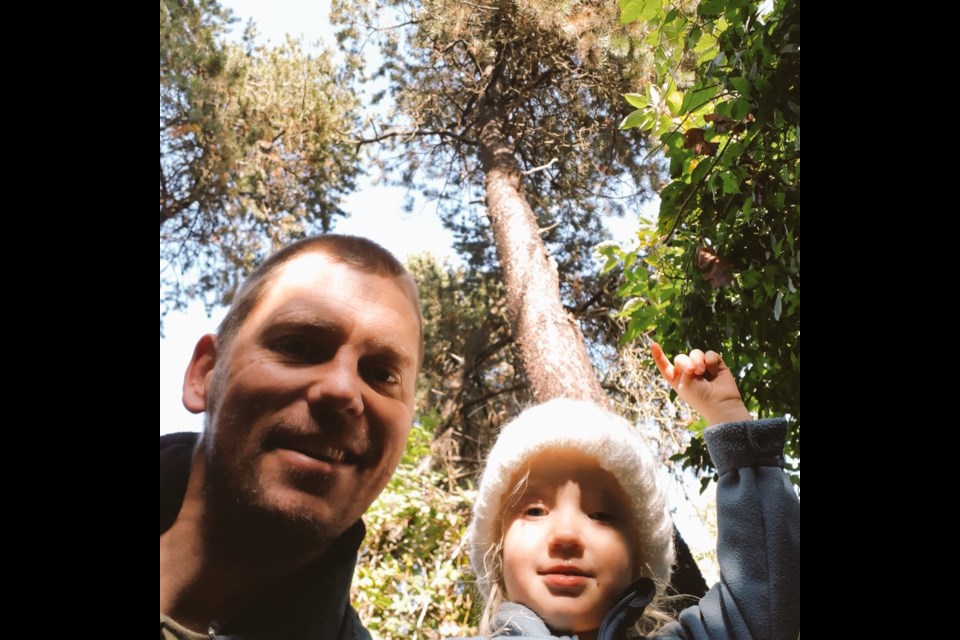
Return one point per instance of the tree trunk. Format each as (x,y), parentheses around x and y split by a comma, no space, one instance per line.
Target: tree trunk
(551,345)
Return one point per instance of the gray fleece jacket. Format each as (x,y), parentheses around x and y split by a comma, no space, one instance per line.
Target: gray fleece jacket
(758,548)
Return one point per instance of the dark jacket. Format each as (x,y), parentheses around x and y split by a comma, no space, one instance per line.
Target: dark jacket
(313,604)
(758,548)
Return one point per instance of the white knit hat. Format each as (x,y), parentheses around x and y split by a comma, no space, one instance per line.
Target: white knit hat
(572,424)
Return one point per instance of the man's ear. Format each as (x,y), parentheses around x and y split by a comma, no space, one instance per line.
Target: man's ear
(196,382)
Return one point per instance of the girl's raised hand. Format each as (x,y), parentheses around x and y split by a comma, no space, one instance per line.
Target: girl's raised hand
(704,382)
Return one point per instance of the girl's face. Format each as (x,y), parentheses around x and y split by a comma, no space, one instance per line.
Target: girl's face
(568,541)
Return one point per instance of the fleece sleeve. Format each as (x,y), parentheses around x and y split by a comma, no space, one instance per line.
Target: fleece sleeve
(758,542)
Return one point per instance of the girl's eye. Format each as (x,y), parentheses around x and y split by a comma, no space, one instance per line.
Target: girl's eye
(535,512)
(602,516)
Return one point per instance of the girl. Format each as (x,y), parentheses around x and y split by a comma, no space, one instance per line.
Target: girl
(571,534)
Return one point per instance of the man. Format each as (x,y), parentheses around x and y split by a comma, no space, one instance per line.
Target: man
(308,389)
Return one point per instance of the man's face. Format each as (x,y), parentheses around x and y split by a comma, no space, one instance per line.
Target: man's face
(568,544)
(315,396)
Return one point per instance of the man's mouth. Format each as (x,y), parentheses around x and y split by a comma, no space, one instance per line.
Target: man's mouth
(311,446)
(326,453)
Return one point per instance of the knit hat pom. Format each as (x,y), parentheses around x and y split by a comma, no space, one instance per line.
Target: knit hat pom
(580,425)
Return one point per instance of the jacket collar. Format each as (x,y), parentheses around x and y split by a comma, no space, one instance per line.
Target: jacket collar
(310,604)
(628,609)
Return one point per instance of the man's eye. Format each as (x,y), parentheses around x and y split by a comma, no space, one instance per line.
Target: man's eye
(383,375)
(295,347)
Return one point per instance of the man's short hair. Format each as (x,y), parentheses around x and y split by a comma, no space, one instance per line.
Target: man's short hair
(360,253)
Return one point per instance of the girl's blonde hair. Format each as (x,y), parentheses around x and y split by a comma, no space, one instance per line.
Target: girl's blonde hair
(583,426)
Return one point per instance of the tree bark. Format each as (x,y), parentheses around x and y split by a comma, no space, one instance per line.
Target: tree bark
(551,345)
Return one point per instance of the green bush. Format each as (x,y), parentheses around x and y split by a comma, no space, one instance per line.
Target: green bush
(413,577)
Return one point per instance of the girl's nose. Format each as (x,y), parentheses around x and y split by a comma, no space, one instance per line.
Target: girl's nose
(566,536)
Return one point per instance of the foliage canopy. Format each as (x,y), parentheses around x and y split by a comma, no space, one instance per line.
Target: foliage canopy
(722,268)
(553,71)
(254,150)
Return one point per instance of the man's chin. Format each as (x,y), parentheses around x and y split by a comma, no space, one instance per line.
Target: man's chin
(294,514)
(277,519)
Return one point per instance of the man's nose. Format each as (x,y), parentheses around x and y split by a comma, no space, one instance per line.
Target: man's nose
(338,385)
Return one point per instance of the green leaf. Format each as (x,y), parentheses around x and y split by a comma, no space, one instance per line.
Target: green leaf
(706,56)
(778,306)
(650,120)
(663,125)
(610,264)
(669,206)
(642,320)
(636,100)
(739,109)
(698,426)
(741,84)
(674,101)
(712,7)
(730,182)
(673,140)
(632,306)
(763,86)
(747,208)
(701,170)
(706,43)
(677,165)
(634,119)
(631,10)
(778,120)
(607,249)
(693,38)
(733,151)
(628,288)
(697,98)
(751,279)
